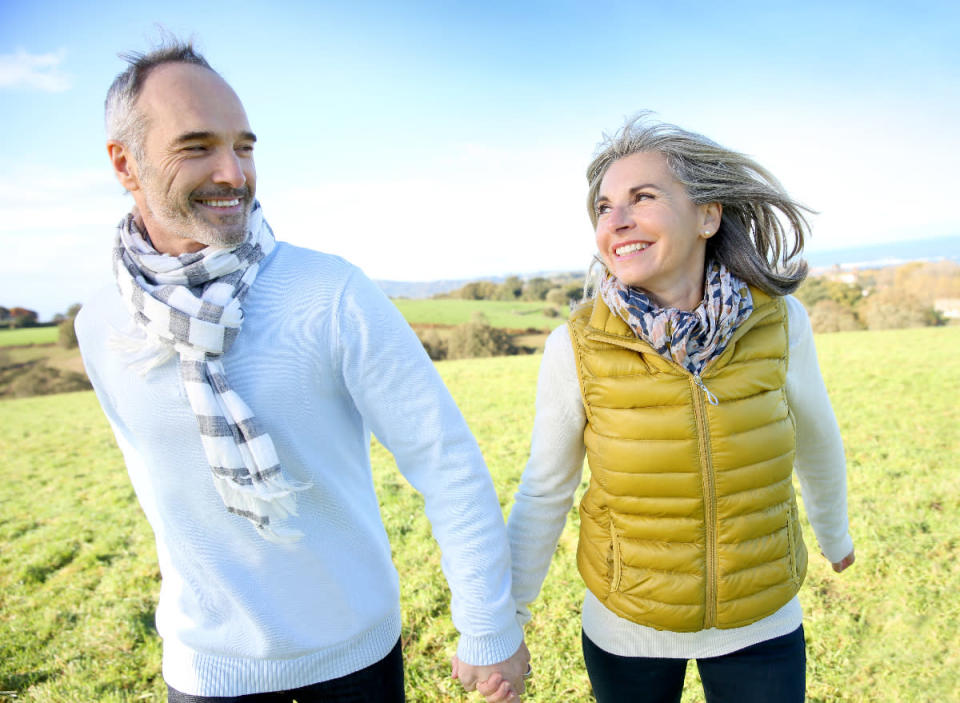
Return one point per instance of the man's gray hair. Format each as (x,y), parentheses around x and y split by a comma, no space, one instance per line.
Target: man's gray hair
(124,122)
(752,241)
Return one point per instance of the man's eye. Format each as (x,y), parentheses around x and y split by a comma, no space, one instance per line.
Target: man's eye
(197,148)
(642,196)
(245,148)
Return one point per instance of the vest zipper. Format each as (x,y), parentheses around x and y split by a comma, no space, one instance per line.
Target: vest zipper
(711,398)
(709,504)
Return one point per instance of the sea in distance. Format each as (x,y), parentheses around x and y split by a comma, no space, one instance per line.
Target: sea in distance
(887,253)
(869,256)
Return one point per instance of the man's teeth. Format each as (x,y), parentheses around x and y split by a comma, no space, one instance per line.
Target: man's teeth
(630,248)
(221,203)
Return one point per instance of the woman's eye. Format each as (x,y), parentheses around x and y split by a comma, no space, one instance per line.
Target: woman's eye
(602,209)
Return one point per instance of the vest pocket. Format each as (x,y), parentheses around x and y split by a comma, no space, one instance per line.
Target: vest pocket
(616,567)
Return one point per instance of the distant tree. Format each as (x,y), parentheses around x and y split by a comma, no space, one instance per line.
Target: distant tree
(557,297)
(574,291)
(4,314)
(21,317)
(478,339)
(478,290)
(66,335)
(817,288)
(891,309)
(830,316)
(536,288)
(510,289)
(928,280)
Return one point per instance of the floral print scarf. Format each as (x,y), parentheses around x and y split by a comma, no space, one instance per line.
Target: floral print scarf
(690,338)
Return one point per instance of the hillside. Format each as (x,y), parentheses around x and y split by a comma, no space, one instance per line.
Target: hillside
(79,580)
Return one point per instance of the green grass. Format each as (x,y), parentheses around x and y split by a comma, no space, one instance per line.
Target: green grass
(28,335)
(78,579)
(500,313)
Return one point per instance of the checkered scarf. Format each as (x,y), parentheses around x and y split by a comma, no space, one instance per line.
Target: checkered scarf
(690,338)
(190,305)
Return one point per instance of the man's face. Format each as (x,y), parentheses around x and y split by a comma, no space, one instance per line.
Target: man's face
(196,177)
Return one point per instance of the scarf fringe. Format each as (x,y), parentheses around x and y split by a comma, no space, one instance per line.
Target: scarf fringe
(264,503)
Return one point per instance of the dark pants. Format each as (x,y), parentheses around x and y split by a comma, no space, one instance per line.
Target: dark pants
(378,683)
(774,670)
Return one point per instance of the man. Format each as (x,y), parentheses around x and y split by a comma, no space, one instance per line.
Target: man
(242,377)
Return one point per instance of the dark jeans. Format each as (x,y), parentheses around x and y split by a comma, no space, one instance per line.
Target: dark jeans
(774,670)
(378,683)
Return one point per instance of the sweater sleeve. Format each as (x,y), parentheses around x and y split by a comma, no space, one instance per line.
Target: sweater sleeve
(820,462)
(403,400)
(552,474)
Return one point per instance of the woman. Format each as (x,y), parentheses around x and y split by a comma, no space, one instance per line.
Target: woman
(691,381)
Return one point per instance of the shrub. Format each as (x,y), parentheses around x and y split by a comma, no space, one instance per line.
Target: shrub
(478,339)
(890,309)
(434,344)
(39,379)
(557,297)
(66,334)
(830,316)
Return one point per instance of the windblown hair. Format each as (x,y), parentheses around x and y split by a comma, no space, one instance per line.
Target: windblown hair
(124,122)
(753,242)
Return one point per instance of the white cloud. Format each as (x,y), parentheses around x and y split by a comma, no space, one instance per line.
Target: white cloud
(33,71)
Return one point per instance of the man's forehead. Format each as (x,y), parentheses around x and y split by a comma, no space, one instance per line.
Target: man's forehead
(191,97)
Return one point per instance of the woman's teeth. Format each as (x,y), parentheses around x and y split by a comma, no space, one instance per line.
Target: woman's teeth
(630,248)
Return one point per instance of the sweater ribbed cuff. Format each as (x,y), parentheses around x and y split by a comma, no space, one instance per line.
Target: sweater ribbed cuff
(836,552)
(490,649)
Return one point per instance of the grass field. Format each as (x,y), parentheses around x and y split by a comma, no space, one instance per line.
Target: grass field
(517,315)
(28,335)
(78,580)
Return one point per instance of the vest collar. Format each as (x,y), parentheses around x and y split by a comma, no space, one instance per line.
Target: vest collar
(606,327)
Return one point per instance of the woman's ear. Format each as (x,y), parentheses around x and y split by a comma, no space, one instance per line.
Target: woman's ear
(710,214)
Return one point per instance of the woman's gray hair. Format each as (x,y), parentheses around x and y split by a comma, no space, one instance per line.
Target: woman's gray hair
(752,241)
(124,122)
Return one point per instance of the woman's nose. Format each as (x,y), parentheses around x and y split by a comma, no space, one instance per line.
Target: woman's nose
(619,219)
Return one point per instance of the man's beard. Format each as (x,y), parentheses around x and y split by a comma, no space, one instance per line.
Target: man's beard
(185,218)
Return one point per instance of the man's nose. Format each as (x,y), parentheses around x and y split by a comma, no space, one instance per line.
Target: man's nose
(229,169)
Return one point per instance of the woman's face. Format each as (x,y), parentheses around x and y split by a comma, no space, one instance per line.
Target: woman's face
(650,234)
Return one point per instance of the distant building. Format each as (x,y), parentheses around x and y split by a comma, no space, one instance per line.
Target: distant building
(948,307)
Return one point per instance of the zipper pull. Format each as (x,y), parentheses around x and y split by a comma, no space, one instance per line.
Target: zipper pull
(711,398)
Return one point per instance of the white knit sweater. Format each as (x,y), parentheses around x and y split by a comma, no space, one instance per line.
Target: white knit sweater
(323,359)
(554,472)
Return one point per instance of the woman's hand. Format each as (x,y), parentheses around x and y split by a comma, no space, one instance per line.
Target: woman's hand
(839,566)
(498,683)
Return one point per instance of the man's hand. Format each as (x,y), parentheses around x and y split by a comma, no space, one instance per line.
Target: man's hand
(498,683)
(839,566)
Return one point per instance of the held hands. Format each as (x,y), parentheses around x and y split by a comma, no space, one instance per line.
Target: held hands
(498,683)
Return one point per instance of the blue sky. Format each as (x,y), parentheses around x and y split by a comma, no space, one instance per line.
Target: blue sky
(428,140)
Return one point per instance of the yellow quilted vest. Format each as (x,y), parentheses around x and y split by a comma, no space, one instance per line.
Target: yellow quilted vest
(690,520)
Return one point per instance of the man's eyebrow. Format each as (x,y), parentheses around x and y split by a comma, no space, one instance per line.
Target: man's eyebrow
(205,136)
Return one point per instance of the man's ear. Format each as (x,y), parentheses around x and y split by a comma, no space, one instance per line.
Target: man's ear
(124,165)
